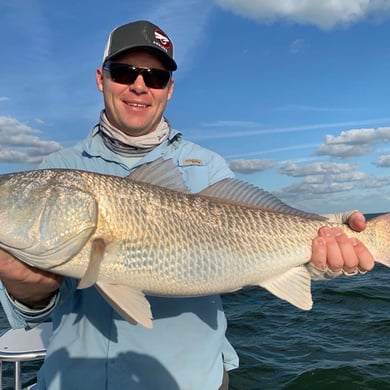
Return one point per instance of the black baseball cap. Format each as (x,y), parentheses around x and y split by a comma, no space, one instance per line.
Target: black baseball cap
(140,35)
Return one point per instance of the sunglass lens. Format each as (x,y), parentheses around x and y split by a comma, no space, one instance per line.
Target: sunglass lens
(127,74)
(156,78)
(123,74)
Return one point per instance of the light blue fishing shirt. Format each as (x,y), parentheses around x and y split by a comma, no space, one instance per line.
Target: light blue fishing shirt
(92,347)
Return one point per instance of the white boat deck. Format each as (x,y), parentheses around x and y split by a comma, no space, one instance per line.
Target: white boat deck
(18,345)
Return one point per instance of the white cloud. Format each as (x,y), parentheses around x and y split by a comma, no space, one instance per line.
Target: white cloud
(308,189)
(327,186)
(323,14)
(344,151)
(355,142)
(18,144)
(318,168)
(250,166)
(374,182)
(323,181)
(383,161)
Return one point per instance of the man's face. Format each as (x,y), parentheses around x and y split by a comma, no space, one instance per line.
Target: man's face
(134,108)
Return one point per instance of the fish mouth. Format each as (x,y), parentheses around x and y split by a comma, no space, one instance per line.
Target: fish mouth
(48,222)
(55,256)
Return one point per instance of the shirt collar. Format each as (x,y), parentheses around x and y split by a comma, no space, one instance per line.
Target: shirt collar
(95,147)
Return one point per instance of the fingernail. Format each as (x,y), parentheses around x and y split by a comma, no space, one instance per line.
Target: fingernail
(321,241)
(354,242)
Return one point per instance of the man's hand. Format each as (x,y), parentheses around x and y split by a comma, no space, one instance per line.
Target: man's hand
(333,250)
(30,286)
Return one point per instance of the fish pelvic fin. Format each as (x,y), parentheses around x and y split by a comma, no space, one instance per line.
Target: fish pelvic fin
(129,303)
(294,286)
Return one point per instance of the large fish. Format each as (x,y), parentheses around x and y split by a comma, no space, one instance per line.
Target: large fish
(134,236)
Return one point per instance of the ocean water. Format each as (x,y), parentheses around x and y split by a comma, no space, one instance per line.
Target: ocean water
(342,343)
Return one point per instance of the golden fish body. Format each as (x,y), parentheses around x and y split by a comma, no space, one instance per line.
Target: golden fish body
(133,238)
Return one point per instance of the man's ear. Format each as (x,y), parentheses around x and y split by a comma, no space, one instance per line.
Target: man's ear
(99,79)
(171,87)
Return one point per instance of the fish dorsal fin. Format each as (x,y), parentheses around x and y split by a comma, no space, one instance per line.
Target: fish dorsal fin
(239,191)
(129,303)
(293,286)
(163,173)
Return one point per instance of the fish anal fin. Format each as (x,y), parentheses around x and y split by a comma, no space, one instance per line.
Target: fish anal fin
(294,286)
(90,277)
(131,304)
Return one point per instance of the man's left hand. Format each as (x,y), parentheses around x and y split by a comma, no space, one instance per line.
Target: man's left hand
(333,251)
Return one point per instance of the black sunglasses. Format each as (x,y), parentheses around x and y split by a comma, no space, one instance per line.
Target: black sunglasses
(127,74)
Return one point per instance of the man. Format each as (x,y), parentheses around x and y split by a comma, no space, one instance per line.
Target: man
(92,346)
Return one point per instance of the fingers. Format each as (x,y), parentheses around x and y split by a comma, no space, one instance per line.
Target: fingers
(319,253)
(333,250)
(357,221)
(366,261)
(341,253)
(28,285)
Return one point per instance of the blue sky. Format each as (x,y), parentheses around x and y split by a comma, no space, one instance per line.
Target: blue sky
(295,95)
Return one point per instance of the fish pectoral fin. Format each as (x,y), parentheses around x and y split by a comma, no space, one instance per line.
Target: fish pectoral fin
(131,304)
(97,254)
(293,286)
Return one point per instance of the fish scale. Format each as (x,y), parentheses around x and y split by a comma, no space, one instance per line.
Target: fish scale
(131,237)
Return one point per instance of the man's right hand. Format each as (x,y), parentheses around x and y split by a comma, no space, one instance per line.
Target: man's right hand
(30,286)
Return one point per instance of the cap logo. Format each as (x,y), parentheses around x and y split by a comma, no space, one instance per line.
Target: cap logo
(161,40)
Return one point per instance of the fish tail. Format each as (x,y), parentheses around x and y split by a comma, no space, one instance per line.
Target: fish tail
(380,225)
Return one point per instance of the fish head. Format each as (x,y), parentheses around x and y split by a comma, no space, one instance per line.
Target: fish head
(44,219)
